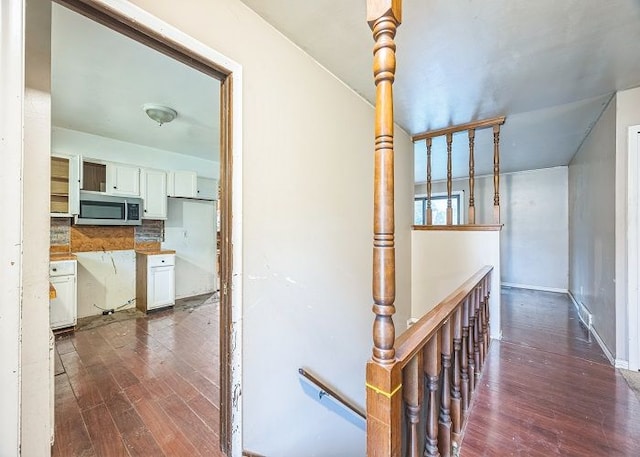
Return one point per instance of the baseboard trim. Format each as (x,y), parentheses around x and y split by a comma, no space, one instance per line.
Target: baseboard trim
(603,346)
(529,287)
(582,312)
(624,364)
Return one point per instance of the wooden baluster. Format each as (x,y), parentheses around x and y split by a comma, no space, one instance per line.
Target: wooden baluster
(444,428)
(456,415)
(432,368)
(481,327)
(496,173)
(485,320)
(464,358)
(449,179)
(429,211)
(470,345)
(413,390)
(472,180)
(476,337)
(384,423)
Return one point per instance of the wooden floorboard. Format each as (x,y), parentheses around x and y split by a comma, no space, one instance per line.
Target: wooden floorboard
(140,387)
(548,390)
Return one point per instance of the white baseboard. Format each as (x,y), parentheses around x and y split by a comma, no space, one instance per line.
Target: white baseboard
(603,346)
(540,288)
(624,364)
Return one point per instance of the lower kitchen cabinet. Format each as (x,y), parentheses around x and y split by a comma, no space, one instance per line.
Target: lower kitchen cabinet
(63,308)
(155,280)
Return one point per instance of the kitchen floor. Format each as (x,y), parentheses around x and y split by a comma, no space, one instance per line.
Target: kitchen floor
(140,386)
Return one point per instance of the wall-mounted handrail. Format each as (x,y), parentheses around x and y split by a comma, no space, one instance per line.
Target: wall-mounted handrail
(326,390)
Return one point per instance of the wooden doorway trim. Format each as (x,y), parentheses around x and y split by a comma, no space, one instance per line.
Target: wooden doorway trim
(144,28)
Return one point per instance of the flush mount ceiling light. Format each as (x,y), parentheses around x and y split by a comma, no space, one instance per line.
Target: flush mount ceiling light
(160,114)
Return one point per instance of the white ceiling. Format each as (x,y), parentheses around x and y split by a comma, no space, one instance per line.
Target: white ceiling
(550,66)
(100,79)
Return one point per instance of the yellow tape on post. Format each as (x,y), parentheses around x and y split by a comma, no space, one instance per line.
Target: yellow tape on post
(382,392)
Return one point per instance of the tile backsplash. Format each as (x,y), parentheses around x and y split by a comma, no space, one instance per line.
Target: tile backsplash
(79,238)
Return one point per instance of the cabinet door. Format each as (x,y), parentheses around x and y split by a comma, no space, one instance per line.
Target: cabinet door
(207,189)
(154,194)
(123,180)
(161,287)
(183,184)
(75,182)
(62,309)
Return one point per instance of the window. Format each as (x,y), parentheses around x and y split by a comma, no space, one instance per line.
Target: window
(438,209)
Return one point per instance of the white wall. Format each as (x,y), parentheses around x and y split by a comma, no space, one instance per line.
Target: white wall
(12,239)
(441,261)
(307,237)
(106,280)
(190,229)
(534,210)
(592,225)
(71,142)
(627,114)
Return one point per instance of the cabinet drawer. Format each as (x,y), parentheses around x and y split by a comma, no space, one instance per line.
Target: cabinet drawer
(62,268)
(161,260)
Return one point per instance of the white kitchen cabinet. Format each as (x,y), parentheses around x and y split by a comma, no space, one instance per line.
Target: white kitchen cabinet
(207,189)
(155,280)
(123,180)
(63,308)
(153,190)
(182,184)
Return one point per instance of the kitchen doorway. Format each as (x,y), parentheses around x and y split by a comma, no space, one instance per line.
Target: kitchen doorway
(122,20)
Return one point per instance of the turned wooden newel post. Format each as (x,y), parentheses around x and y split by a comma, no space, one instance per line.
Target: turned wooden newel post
(496,173)
(384,381)
(429,220)
(472,180)
(449,179)
(383,18)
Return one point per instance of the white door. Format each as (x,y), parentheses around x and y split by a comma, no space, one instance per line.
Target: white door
(63,307)
(123,180)
(161,287)
(75,182)
(154,194)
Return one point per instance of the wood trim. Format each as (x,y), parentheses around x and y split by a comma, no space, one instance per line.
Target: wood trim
(226,260)
(460,228)
(477,125)
(103,14)
(414,339)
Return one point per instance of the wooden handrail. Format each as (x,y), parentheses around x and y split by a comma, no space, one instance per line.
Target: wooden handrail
(437,366)
(476,125)
(410,342)
(326,390)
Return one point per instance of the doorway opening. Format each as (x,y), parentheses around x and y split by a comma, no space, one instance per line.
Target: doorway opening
(180,207)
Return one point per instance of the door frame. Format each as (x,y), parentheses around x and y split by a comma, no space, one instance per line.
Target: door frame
(633,246)
(143,27)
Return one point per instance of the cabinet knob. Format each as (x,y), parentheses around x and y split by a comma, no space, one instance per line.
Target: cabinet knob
(163,261)
(54,269)
(114,187)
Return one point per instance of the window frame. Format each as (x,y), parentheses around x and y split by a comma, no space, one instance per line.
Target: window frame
(455,195)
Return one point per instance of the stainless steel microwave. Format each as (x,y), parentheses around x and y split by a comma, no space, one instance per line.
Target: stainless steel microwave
(99,209)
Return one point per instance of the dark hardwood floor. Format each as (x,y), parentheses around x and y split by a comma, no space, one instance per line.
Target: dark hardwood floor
(141,387)
(547,390)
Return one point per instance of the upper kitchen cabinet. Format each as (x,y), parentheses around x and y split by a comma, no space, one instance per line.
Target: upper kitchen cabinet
(153,190)
(110,178)
(65,186)
(182,184)
(123,180)
(207,189)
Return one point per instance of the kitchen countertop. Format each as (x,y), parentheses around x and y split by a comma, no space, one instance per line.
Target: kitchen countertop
(54,256)
(155,251)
